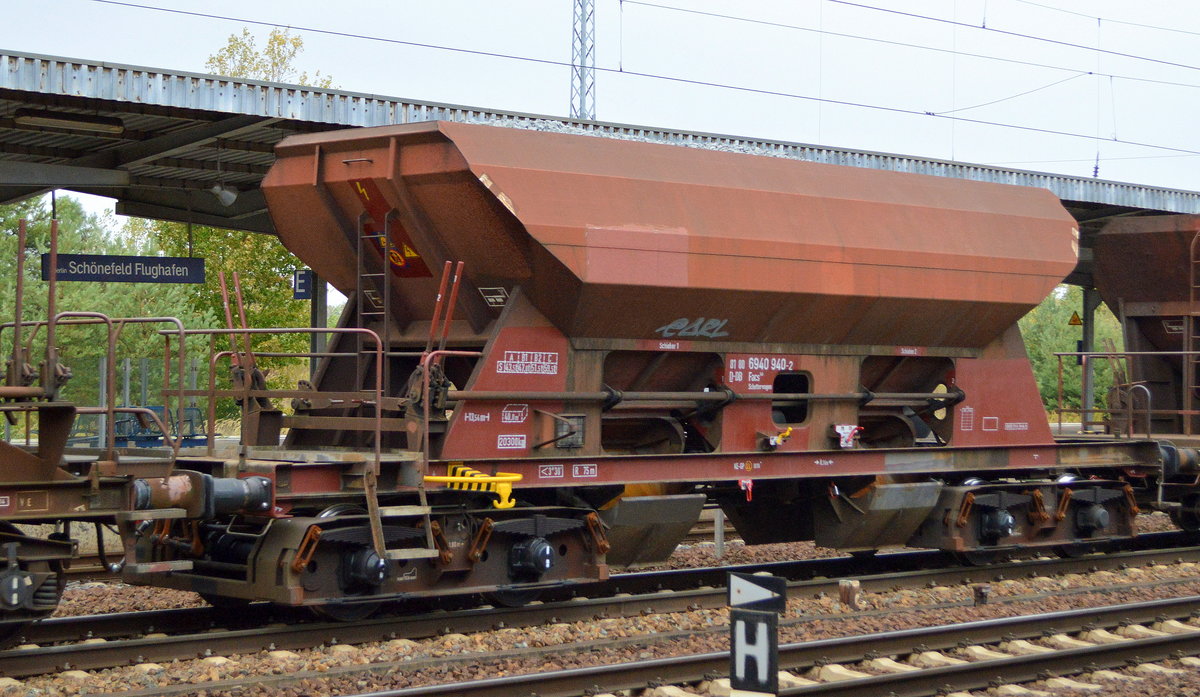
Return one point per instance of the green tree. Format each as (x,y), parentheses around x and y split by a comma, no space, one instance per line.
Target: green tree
(1047,330)
(242,58)
(264,268)
(263,265)
(83,347)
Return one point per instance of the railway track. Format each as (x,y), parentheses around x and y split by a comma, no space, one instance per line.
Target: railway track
(705,529)
(1108,640)
(895,570)
(707,666)
(139,637)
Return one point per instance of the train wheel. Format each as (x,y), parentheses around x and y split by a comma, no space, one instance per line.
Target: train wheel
(513,597)
(1187,516)
(1074,550)
(341,509)
(983,557)
(345,612)
(44,600)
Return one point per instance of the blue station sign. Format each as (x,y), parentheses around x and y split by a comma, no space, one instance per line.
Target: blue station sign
(302,284)
(124,269)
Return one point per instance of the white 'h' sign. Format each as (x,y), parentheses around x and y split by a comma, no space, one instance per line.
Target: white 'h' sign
(759,650)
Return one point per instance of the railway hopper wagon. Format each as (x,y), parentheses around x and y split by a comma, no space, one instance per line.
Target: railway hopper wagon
(1158,313)
(558,348)
(48,479)
(1157,385)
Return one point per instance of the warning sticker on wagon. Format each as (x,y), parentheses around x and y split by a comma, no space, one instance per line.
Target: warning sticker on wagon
(529,363)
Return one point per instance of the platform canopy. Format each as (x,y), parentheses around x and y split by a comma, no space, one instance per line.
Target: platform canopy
(185,146)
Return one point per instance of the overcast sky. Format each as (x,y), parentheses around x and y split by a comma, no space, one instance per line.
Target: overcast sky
(910,75)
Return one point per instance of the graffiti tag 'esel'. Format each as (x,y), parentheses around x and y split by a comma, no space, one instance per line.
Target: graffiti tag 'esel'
(711,328)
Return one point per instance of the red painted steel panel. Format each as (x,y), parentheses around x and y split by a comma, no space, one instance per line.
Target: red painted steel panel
(1143,273)
(613,238)
(1145,260)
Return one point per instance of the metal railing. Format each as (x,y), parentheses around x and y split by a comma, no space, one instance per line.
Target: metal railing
(1125,393)
(114,327)
(245,392)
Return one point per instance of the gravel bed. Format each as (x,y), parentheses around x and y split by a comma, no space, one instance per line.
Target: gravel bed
(1154,522)
(410,663)
(98,597)
(602,641)
(704,554)
(1135,684)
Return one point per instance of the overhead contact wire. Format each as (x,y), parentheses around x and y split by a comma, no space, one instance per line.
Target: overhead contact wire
(652,76)
(1007,32)
(1013,96)
(1108,19)
(902,44)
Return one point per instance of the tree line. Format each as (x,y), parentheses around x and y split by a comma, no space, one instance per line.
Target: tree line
(264,266)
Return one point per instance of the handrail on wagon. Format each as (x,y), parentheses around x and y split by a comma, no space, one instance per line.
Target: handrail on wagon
(371,477)
(115,325)
(1126,390)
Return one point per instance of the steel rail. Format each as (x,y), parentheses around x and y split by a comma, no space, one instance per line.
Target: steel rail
(118,625)
(64,629)
(1017,669)
(652,597)
(880,572)
(573,682)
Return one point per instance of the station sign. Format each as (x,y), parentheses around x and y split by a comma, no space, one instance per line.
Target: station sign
(754,660)
(125,269)
(302,284)
(755,603)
